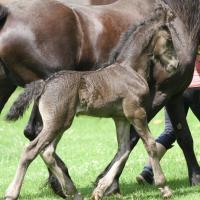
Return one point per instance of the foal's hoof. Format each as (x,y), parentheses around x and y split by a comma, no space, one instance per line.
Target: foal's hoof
(113,190)
(166,192)
(96,196)
(116,195)
(55,185)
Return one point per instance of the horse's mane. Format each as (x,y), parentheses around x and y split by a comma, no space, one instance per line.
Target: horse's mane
(189,13)
(127,37)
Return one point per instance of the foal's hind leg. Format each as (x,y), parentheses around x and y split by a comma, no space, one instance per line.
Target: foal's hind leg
(123,137)
(137,116)
(31,131)
(46,136)
(60,171)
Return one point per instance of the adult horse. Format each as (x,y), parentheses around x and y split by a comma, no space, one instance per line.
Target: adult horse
(86,34)
(34,45)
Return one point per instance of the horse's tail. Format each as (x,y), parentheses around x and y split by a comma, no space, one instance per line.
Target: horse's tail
(3,15)
(32,92)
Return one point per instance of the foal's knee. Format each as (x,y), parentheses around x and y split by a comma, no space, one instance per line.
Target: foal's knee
(132,110)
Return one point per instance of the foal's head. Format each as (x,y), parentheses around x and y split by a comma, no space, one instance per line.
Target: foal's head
(163,51)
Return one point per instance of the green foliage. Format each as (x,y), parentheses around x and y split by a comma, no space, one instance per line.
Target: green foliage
(86,148)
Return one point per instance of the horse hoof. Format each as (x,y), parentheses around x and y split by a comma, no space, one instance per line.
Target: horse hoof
(78,196)
(166,192)
(195,180)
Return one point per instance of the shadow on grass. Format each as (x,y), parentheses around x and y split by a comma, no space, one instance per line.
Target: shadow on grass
(180,188)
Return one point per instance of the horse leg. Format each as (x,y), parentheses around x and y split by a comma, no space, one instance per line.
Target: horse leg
(60,171)
(177,116)
(6,89)
(46,136)
(31,131)
(137,117)
(123,138)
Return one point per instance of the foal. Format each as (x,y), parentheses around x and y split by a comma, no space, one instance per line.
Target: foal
(115,91)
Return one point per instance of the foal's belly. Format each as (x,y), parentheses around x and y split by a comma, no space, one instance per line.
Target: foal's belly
(109,110)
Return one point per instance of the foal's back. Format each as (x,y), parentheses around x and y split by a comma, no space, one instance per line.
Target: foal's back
(99,93)
(102,92)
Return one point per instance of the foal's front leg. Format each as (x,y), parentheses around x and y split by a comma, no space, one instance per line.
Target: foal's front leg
(32,150)
(123,138)
(137,117)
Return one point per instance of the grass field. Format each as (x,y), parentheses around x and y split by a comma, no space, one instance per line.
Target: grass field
(86,149)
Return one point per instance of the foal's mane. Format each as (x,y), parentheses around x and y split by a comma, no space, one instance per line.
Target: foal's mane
(124,38)
(189,13)
(129,36)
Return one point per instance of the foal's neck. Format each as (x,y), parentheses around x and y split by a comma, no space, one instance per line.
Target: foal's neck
(138,45)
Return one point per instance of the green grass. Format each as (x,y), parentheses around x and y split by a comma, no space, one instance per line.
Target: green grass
(86,148)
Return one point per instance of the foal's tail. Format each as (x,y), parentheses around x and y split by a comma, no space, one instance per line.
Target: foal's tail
(3,15)
(32,92)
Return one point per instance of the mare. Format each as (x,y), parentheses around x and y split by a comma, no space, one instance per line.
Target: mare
(83,38)
(116,91)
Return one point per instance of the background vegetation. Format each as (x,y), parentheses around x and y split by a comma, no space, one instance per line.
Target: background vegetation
(86,148)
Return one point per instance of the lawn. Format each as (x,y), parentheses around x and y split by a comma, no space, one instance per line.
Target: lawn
(86,148)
